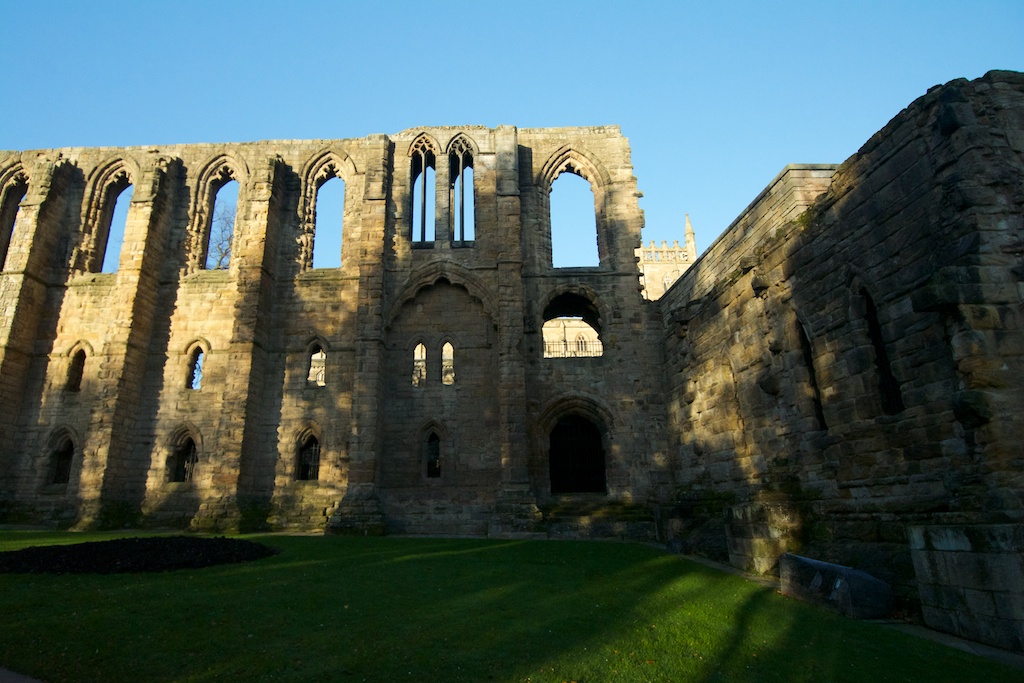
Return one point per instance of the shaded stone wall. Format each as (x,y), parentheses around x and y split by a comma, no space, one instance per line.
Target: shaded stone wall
(847,364)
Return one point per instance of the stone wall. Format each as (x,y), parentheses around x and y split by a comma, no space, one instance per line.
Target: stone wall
(844,362)
(850,363)
(258,323)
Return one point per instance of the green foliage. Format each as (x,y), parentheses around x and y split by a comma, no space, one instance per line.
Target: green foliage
(387,609)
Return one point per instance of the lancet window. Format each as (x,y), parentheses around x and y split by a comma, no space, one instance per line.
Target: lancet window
(10,202)
(424,162)
(461,195)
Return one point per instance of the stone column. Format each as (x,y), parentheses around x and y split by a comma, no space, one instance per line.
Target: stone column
(360,510)
(23,297)
(114,471)
(517,509)
(243,485)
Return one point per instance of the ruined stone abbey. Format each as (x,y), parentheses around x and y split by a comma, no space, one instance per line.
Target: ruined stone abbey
(840,374)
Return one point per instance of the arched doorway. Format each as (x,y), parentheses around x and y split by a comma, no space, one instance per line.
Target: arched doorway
(576,458)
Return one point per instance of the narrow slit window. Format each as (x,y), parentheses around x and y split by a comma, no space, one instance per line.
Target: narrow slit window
(808,356)
(317,367)
(194,380)
(573,223)
(888,386)
(75,371)
(116,226)
(182,466)
(423,194)
(10,203)
(433,456)
(419,365)
(60,468)
(329,224)
(222,226)
(308,465)
(461,196)
(448,364)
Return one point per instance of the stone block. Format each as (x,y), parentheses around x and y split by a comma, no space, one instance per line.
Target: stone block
(849,591)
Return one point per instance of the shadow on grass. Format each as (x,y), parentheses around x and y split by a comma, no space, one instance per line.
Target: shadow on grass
(386,609)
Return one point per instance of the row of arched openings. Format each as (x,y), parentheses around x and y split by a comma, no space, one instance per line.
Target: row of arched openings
(576,456)
(572,206)
(572,212)
(460,198)
(419,365)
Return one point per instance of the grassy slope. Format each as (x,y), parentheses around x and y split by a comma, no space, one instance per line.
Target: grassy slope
(394,609)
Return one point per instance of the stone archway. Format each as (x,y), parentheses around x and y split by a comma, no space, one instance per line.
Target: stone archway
(576,459)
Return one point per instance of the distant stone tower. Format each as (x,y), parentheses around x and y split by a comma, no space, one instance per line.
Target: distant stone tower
(660,267)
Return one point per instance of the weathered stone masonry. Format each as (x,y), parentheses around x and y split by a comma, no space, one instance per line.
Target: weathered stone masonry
(839,374)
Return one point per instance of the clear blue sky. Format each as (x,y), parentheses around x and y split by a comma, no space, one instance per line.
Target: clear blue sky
(715,97)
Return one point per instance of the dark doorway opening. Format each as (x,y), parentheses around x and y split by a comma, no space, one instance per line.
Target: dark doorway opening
(576,457)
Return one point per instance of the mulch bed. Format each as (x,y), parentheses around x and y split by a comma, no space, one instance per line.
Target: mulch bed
(129,555)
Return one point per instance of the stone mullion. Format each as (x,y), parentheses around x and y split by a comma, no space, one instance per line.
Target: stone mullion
(442,203)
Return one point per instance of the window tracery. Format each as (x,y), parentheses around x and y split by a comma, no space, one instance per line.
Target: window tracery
(424,164)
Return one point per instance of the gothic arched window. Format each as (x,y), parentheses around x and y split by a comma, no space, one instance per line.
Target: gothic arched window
(307,466)
(75,371)
(181,466)
(423,192)
(462,207)
(317,371)
(419,365)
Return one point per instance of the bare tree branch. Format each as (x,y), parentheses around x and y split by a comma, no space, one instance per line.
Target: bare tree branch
(222,231)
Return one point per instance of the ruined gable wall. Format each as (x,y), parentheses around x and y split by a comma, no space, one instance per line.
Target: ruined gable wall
(622,389)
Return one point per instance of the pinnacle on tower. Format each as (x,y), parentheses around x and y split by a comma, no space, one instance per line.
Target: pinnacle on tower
(691,240)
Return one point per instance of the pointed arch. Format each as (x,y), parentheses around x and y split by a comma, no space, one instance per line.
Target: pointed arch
(184,448)
(324,166)
(577,160)
(13,189)
(308,447)
(447,363)
(578,301)
(197,354)
(435,449)
(592,407)
(807,355)
(62,453)
(217,172)
(419,364)
(104,186)
(434,272)
(461,201)
(422,183)
(862,307)
(576,435)
(316,361)
(76,369)
(579,225)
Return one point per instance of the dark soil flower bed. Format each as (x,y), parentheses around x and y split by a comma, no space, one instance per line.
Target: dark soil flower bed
(128,555)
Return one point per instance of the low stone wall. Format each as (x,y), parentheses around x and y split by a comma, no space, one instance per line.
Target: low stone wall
(971,580)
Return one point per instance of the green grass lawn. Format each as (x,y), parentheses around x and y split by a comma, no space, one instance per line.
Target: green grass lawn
(401,609)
